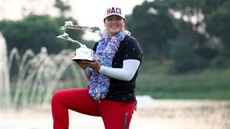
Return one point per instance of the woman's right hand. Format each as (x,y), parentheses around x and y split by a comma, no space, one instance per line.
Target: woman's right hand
(82,64)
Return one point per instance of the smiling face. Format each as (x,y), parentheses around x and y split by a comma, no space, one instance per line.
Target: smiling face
(114,24)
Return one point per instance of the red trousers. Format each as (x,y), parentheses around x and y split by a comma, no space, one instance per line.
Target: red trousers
(115,115)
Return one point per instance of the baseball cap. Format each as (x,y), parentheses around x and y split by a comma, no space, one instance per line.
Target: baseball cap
(113,10)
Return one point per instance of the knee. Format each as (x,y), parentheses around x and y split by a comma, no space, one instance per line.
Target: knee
(56,97)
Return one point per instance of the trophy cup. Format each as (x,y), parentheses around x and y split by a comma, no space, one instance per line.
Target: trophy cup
(83,52)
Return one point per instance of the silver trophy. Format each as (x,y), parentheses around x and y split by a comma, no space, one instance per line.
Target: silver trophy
(83,52)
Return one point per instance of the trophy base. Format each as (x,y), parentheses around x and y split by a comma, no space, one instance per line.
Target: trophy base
(78,60)
(83,54)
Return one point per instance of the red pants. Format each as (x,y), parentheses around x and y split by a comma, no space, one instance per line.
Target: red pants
(115,115)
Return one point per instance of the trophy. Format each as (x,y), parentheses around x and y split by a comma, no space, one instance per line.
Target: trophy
(83,52)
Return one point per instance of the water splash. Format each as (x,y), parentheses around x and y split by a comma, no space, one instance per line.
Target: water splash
(37,76)
(4,74)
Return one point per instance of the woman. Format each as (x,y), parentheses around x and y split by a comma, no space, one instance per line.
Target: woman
(111,77)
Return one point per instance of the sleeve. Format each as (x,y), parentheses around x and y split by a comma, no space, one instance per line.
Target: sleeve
(125,73)
(133,50)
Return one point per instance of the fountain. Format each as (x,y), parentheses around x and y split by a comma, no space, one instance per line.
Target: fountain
(4,74)
(37,76)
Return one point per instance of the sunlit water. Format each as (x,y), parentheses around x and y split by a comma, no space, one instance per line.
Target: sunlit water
(4,74)
(36,76)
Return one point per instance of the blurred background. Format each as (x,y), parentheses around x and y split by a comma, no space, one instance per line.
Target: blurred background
(186,48)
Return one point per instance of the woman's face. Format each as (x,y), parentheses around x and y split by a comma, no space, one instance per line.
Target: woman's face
(114,24)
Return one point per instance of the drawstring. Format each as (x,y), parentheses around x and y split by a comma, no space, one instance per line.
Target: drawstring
(135,107)
(125,120)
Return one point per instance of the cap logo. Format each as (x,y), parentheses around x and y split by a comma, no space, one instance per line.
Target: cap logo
(114,11)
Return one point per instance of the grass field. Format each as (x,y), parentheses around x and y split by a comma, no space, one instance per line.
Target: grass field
(156,81)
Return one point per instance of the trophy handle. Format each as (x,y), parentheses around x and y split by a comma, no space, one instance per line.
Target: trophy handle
(69,25)
(65,36)
(84,28)
(82,53)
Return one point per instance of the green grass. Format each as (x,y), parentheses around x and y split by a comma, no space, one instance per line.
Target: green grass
(154,80)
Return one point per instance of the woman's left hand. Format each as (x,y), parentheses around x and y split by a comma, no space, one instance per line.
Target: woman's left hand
(93,64)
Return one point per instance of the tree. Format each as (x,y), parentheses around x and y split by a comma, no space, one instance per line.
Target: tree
(185,55)
(153,26)
(191,24)
(61,6)
(35,32)
(218,24)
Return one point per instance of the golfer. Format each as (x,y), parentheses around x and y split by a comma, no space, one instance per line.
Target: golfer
(112,78)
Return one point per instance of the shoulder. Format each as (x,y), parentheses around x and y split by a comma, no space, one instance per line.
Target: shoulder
(132,48)
(131,42)
(129,38)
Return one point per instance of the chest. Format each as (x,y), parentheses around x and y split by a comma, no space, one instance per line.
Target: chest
(119,56)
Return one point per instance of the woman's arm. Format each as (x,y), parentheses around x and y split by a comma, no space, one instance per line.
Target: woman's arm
(125,73)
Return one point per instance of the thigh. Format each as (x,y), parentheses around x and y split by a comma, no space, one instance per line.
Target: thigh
(116,115)
(77,99)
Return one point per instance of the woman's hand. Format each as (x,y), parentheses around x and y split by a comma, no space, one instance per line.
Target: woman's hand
(92,64)
(82,64)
